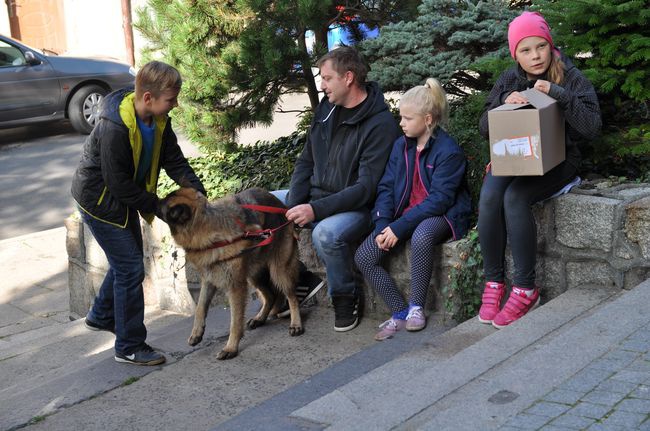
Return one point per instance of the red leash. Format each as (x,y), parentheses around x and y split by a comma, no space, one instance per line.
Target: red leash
(265,234)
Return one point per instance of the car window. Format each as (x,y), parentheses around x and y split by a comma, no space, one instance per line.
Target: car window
(10,55)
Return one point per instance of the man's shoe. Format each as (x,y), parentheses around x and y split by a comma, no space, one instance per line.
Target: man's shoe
(389,328)
(94,326)
(491,301)
(145,356)
(308,285)
(415,321)
(346,312)
(517,306)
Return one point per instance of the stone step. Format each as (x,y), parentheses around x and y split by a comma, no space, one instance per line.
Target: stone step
(424,376)
(50,367)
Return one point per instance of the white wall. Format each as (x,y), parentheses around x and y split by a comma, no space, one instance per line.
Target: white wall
(4,19)
(94,27)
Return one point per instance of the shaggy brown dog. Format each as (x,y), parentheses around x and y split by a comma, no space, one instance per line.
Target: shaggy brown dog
(219,239)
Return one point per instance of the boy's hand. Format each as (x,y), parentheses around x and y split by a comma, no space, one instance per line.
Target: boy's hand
(301,214)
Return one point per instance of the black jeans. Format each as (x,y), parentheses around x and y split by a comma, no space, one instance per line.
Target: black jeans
(505,210)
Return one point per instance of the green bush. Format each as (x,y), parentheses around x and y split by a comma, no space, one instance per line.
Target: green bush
(463,125)
(266,164)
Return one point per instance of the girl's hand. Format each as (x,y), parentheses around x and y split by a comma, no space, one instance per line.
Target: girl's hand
(516,97)
(543,86)
(386,239)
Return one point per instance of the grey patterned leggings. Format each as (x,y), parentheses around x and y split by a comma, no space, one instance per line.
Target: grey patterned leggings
(429,232)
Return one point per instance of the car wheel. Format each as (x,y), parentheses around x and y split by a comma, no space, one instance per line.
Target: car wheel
(83,110)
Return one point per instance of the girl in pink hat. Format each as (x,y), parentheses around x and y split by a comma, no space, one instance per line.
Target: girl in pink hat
(505,207)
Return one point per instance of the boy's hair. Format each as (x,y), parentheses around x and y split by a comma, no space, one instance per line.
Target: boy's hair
(157,77)
(346,58)
(429,98)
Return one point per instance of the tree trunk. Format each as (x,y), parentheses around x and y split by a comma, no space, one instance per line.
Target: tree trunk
(128,31)
(308,75)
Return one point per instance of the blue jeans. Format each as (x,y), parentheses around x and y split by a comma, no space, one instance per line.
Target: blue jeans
(120,300)
(332,238)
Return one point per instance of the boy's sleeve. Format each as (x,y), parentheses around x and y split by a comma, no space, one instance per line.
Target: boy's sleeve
(175,163)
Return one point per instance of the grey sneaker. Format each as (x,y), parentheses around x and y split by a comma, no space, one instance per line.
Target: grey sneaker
(415,321)
(145,356)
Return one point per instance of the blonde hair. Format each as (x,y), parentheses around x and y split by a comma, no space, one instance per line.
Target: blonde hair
(157,77)
(429,98)
(555,71)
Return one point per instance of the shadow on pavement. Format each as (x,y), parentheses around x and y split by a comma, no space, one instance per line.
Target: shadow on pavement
(42,130)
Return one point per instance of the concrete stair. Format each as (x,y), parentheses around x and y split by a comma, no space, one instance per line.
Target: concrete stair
(470,367)
(327,380)
(51,367)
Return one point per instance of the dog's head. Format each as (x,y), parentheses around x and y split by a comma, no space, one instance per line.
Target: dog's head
(181,206)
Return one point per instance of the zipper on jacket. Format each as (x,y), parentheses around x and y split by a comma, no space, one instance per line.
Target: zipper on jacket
(406,160)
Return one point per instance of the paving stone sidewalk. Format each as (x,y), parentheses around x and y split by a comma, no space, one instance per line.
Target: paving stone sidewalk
(612,393)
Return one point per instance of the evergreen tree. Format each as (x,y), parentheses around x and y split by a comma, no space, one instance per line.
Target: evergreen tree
(610,42)
(239,56)
(443,42)
(610,38)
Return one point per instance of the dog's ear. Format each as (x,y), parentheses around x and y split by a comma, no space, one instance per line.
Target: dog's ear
(178,215)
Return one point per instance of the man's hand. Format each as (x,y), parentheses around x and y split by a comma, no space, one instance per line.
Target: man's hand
(517,98)
(386,239)
(301,214)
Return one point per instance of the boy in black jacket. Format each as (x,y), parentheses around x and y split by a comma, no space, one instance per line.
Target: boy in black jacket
(117,178)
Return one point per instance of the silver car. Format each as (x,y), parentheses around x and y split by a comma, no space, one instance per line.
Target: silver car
(37,87)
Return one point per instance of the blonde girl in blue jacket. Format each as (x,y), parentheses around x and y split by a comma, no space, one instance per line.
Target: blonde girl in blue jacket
(422,196)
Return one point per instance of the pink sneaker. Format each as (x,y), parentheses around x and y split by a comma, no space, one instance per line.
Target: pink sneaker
(416,321)
(491,301)
(518,304)
(389,328)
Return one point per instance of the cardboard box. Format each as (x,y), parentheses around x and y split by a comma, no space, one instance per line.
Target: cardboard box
(526,139)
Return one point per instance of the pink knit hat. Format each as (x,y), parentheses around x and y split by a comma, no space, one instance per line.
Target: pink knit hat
(525,25)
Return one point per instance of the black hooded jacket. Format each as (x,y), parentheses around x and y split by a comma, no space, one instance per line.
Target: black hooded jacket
(575,96)
(338,175)
(104,183)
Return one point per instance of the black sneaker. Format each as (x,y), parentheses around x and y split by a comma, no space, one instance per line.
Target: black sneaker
(346,312)
(94,326)
(145,356)
(308,285)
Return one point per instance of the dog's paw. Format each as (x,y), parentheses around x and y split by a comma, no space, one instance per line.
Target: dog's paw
(294,331)
(194,340)
(252,324)
(222,355)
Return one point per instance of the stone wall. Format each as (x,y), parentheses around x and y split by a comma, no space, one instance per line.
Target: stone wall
(593,235)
